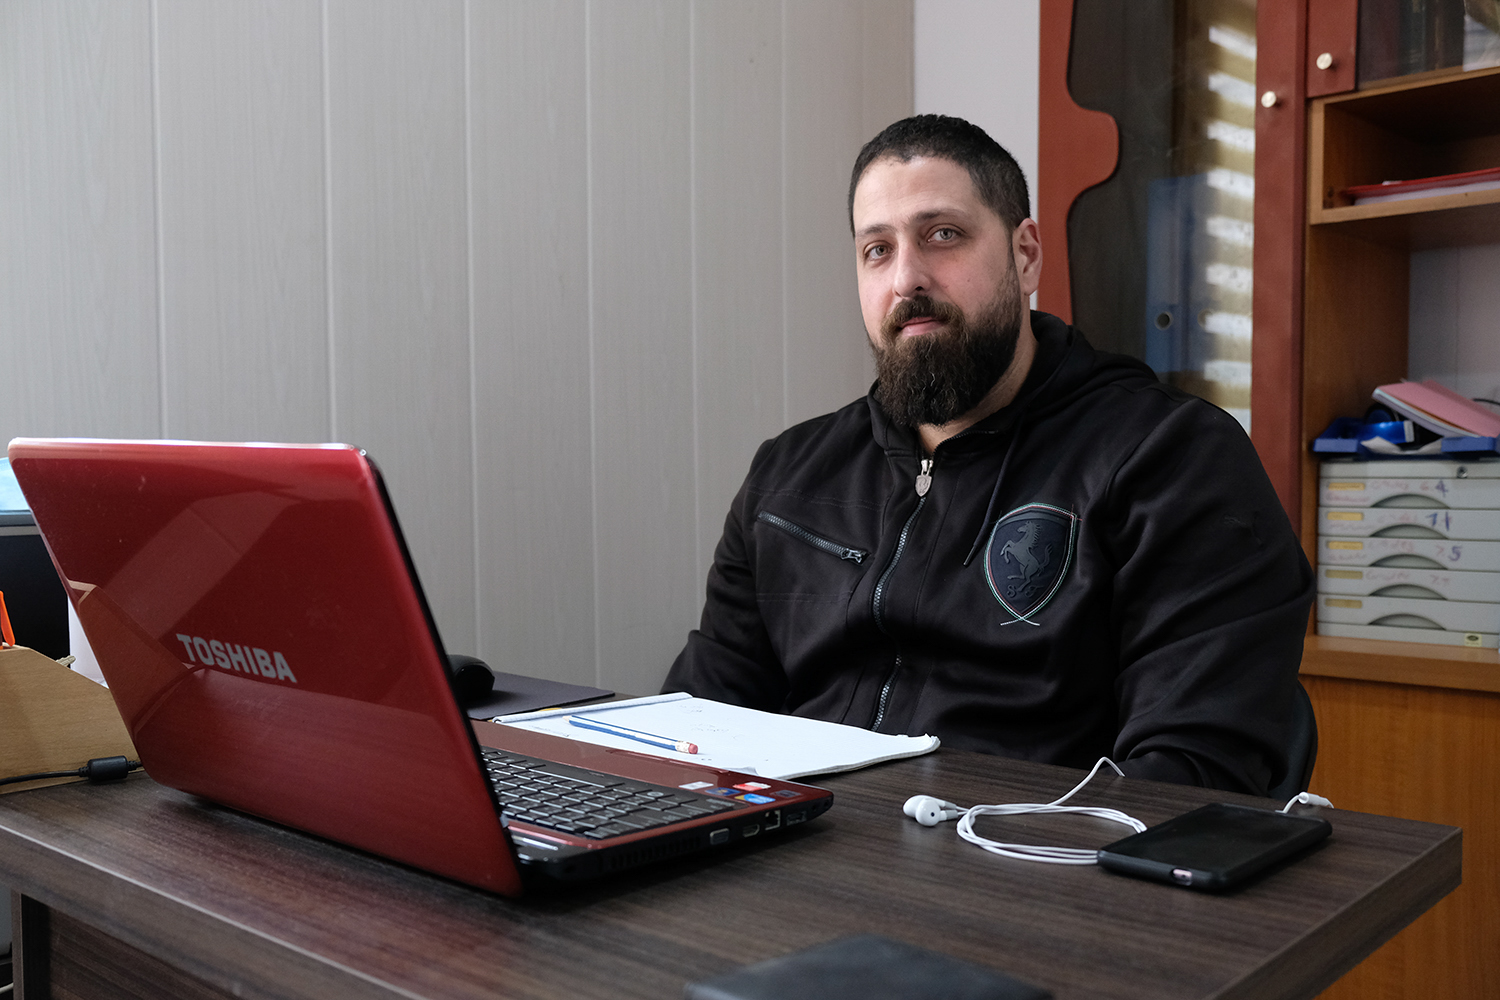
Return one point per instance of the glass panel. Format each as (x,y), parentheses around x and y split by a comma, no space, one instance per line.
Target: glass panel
(1161,253)
(1401,37)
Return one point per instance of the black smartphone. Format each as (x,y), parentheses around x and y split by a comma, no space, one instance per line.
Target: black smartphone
(1215,847)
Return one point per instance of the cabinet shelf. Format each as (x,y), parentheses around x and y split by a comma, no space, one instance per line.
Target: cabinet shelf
(1402,131)
(1356,298)
(1417,663)
(1444,220)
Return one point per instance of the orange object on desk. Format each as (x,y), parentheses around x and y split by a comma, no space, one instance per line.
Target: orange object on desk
(7,637)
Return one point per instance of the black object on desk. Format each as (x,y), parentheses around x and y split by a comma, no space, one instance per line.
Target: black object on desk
(34,595)
(864,967)
(1214,847)
(514,693)
(484,693)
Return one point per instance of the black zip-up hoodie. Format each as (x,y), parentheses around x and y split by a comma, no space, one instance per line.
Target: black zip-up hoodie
(1100,568)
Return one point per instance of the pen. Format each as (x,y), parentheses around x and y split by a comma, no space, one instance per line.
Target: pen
(8,639)
(681,746)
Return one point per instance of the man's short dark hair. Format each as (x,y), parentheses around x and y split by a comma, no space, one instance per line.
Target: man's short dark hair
(996,175)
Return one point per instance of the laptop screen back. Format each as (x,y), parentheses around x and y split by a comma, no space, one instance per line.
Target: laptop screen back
(253,610)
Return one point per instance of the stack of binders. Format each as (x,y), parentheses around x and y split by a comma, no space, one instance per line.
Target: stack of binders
(1409,550)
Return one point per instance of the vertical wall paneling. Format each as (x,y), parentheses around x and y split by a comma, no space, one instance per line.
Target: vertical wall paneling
(979,59)
(737,251)
(78,313)
(399,264)
(529,179)
(242,217)
(646,575)
(560,265)
(886,63)
(826,121)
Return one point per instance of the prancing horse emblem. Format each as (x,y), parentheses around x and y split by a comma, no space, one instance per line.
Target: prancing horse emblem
(1028,556)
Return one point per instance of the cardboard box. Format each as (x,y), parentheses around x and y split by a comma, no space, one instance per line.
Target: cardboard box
(52,719)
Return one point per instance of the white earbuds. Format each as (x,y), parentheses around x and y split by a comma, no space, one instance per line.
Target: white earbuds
(930,811)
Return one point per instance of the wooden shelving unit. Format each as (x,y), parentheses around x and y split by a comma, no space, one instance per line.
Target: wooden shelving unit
(1402,663)
(1403,130)
(1356,295)
(1400,131)
(1408,729)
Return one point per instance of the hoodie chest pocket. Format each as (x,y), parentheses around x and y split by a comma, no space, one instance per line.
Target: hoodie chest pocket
(795,561)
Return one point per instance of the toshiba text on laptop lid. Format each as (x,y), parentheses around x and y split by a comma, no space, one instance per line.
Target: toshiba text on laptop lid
(254,610)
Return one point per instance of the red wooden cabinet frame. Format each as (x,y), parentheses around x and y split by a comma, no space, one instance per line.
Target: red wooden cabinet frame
(1078,149)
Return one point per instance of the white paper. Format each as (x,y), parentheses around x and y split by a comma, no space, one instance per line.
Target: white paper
(1431,192)
(732,738)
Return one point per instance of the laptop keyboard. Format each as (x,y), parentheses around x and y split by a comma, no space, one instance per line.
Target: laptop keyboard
(587,803)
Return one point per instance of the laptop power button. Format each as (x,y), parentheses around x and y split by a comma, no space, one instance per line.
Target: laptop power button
(719,836)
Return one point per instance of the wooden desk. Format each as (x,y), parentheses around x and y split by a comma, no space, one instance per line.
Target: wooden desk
(137,890)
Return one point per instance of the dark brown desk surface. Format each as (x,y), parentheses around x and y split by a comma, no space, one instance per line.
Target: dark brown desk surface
(263,911)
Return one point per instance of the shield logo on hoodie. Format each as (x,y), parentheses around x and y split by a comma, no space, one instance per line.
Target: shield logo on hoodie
(1028,557)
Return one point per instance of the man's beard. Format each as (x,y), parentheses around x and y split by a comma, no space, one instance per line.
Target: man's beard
(937,377)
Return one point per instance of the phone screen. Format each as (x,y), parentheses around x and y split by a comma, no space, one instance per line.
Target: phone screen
(1213,847)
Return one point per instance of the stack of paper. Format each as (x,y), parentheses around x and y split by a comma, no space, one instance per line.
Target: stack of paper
(1487,179)
(1434,406)
(730,737)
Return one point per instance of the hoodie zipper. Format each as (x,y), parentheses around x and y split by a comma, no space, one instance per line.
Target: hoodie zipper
(816,541)
(877,601)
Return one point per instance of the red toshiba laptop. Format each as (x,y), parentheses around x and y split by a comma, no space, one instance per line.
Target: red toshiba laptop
(257,616)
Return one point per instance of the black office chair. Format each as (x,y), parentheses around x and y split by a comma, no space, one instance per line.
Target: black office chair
(1302,754)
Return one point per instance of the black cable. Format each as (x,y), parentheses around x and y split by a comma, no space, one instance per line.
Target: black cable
(98,770)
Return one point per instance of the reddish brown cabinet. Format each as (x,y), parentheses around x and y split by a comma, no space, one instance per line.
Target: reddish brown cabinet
(1406,729)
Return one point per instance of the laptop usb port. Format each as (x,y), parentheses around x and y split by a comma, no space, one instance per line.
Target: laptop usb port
(773,820)
(750,830)
(793,818)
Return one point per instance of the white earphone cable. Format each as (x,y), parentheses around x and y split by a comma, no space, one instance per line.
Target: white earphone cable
(1034,852)
(1305,799)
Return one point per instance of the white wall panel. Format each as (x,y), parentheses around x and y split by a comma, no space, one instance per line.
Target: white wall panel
(1432,350)
(979,60)
(398,276)
(1455,318)
(560,266)
(1479,321)
(885,35)
(242,214)
(826,121)
(737,248)
(533,432)
(78,289)
(641,329)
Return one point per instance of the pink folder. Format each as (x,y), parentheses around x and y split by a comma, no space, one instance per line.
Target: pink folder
(1433,399)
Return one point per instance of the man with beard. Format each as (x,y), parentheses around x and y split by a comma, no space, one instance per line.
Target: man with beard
(1015,543)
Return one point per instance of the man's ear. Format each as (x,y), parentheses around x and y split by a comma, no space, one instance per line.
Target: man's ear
(1026,250)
